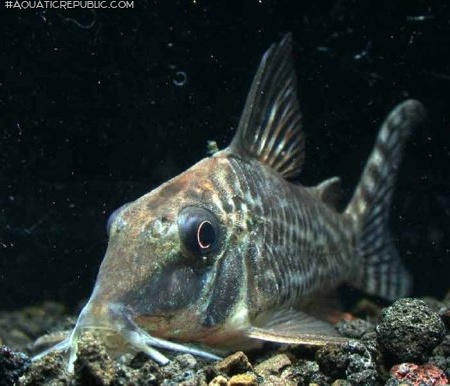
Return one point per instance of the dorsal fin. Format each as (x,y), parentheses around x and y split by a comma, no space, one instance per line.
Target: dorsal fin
(270,128)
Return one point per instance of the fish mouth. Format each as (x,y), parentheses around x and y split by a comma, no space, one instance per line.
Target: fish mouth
(115,321)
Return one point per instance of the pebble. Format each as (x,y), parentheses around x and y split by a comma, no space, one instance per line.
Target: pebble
(351,361)
(93,365)
(307,372)
(273,365)
(243,380)
(332,361)
(341,382)
(247,379)
(220,380)
(236,363)
(409,330)
(12,366)
(355,328)
(417,375)
(444,348)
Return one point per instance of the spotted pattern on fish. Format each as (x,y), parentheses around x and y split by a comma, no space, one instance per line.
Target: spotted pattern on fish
(296,257)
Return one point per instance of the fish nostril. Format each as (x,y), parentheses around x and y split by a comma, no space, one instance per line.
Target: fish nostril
(159,227)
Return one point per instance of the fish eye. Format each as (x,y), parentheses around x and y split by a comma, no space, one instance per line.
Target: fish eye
(199,230)
(112,217)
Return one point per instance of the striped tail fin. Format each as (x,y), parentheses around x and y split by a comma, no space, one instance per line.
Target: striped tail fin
(383,273)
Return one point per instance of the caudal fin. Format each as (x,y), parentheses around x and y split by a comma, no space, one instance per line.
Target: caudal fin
(383,273)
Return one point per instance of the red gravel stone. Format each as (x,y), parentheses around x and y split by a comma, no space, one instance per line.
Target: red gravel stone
(419,374)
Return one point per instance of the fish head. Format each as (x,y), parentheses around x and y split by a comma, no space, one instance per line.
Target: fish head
(167,272)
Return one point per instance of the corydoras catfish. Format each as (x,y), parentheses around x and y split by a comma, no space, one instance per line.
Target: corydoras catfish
(232,252)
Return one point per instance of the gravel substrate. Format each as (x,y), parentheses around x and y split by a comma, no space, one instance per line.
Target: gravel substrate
(409,344)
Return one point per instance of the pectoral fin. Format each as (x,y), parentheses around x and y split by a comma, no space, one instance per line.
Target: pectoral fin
(291,326)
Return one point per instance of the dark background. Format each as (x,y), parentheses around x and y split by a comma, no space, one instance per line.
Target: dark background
(91,117)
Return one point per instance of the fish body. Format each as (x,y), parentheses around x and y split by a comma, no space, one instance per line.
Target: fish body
(232,252)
